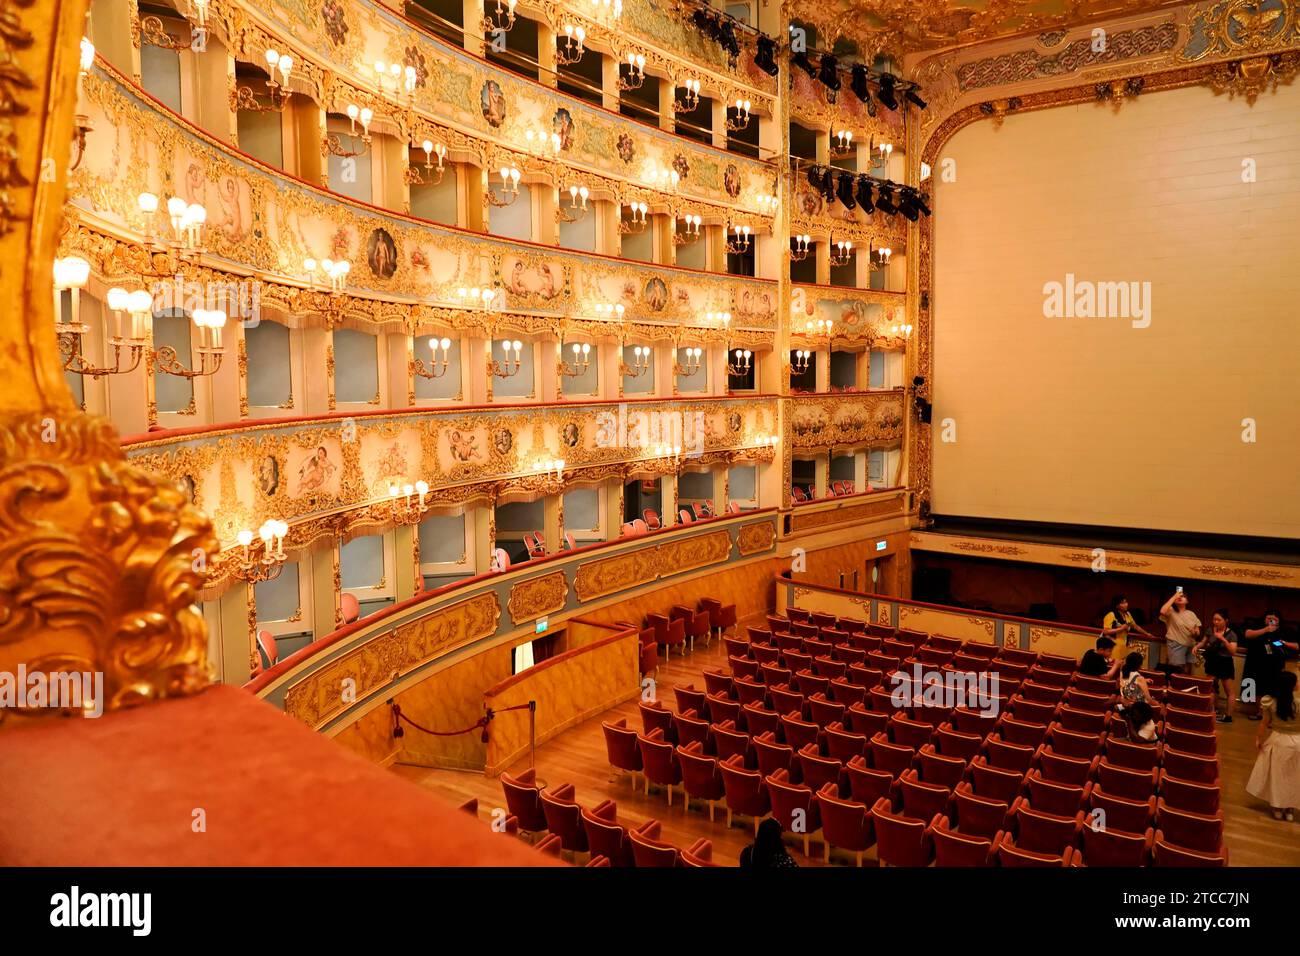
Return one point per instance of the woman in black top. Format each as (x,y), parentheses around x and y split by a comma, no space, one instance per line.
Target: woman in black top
(1219,647)
(1266,649)
(767,851)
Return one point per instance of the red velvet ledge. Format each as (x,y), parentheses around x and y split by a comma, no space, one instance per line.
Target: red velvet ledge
(121,791)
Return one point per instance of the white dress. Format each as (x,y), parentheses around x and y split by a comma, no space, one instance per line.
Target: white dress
(1276,776)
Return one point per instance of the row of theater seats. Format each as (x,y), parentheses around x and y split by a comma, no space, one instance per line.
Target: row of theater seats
(687,514)
(834,489)
(554,818)
(681,626)
(808,729)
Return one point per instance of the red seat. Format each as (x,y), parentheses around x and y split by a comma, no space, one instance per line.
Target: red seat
(648,850)
(1120,813)
(688,698)
(891,758)
(1041,693)
(655,716)
(816,770)
(729,742)
(1192,767)
(721,710)
(1201,722)
(649,661)
(699,626)
(799,733)
(690,729)
(651,519)
(994,783)
(717,681)
(959,849)
(1073,744)
(864,677)
(1135,756)
(620,746)
(550,844)
(1032,711)
(979,816)
(659,762)
(1008,756)
(1081,721)
(1093,685)
(951,743)
(846,824)
(823,711)
(1188,794)
(866,784)
(900,840)
(1164,853)
(1116,848)
(1050,678)
(1051,796)
(784,700)
(605,837)
(743,790)
(842,692)
(700,777)
(778,624)
(983,651)
(940,770)
(760,720)
(564,817)
(699,853)
(1195,831)
(1042,832)
(1073,771)
(1122,782)
(973,722)
(1019,732)
(794,806)
(862,720)
(1190,700)
(749,691)
(524,800)
(828,667)
(809,683)
(909,733)
(771,754)
(742,667)
(1191,742)
(1014,655)
(844,745)
(923,800)
(1011,855)
(765,654)
(675,636)
(802,615)
(776,675)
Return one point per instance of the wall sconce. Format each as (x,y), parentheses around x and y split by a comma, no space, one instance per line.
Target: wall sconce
(768,202)
(581,359)
(767,441)
(841,253)
(335,272)
(739,241)
(82,124)
(550,466)
(138,305)
(670,453)
(509,188)
(743,362)
(842,143)
(608,10)
(268,567)
(199,13)
(605,310)
(437,367)
(543,139)
(209,322)
(569,48)
(801,361)
(878,258)
(477,298)
(641,356)
(577,205)
(246,99)
(886,150)
(692,100)
(407,504)
(334,141)
(402,78)
(636,221)
(512,365)
(502,19)
(431,149)
(690,233)
(903,330)
(665,179)
(742,117)
(800,246)
(634,79)
(693,361)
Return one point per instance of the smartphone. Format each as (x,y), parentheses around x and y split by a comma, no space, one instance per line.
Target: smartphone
(1277,643)
(1179,589)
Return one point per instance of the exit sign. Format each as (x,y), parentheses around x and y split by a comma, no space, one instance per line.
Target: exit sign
(882,545)
(541,626)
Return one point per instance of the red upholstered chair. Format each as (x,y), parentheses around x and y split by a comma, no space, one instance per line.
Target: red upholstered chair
(352,607)
(994,783)
(689,698)
(1189,700)
(682,611)
(775,675)
(959,849)
(700,777)
(826,666)
(655,716)
(743,667)
(785,700)
(1031,711)
(690,729)
(651,519)
(885,663)
(1049,678)
(824,712)
(881,630)
(1011,855)
(761,635)
(909,733)
(772,755)
(621,747)
(605,837)
(850,655)
(1081,721)
(923,800)
(1191,742)
(889,757)
(794,806)
(1122,782)
(843,692)
(895,648)
(699,853)
(867,785)
(266,641)
(765,654)
(863,720)
(803,631)
(951,743)
(1043,693)
(933,656)
(778,625)
(722,617)
(549,844)
(749,691)
(564,817)
(1045,832)
(698,626)
(675,636)
(1139,756)
(524,800)
(1020,732)
(598,861)
(788,642)
(822,619)
(851,625)
(803,615)
(1195,831)
(1071,744)
(799,733)
(659,623)
(1116,848)
(718,681)
(1073,771)
(1194,767)
(1092,703)
(864,677)
(649,660)
(969,663)
(733,507)
(722,710)
(685,516)
(835,637)
(1056,662)
(1188,794)
(659,762)
(1093,685)
(1186,683)
(882,702)
(817,771)
(804,678)
(900,840)
(979,816)
(846,824)
(1197,721)
(1051,796)
(974,722)
(1164,853)
(911,636)
(843,744)
(730,742)
(1008,756)
(761,720)
(739,647)
(1119,813)
(942,642)
(744,791)
(984,651)
(648,850)
(939,770)
(1016,656)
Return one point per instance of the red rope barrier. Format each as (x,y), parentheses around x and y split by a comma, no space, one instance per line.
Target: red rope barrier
(482,722)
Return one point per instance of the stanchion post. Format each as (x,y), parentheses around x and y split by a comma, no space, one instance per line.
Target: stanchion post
(532,734)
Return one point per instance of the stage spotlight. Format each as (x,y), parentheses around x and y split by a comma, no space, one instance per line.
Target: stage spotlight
(858,83)
(921,203)
(828,186)
(815,177)
(907,205)
(886,94)
(885,199)
(830,73)
(729,41)
(801,60)
(765,57)
(915,98)
(844,190)
(864,195)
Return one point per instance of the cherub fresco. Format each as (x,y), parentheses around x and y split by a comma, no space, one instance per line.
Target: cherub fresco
(464,446)
(315,471)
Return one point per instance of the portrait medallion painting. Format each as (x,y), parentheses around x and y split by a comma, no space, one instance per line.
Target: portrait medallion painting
(492,101)
(268,476)
(503,440)
(656,294)
(381,254)
(562,124)
(731,180)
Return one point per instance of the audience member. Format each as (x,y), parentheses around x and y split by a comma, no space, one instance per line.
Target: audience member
(1132,685)
(1266,649)
(1219,648)
(1098,663)
(1141,722)
(1182,627)
(1276,777)
(767,851)
(1118,622)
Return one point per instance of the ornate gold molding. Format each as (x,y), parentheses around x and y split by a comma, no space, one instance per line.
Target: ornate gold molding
(535,597)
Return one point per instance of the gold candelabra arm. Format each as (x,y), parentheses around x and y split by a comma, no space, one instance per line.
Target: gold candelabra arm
(436,369)
(74,359)
(333,144)
(153,33)
(167,362)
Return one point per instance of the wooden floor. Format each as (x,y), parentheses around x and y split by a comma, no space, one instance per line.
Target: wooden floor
(577,756)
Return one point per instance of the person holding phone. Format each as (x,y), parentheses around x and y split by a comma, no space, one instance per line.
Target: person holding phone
(1266,649)
(1182,629)
(1219,649)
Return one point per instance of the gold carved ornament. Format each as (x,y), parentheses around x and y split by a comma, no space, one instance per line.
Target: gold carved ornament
(100,561)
